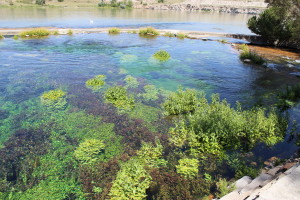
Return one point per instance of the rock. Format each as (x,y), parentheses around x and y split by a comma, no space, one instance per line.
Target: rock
(297,61)
(247,60)
(242,182)
(290,65)
(257,183)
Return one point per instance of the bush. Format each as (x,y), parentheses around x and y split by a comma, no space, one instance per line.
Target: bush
(88,151)
(118,96)
(35,33)
(149,31)
(114,31)
(251,55)
(96,83)
(162,55)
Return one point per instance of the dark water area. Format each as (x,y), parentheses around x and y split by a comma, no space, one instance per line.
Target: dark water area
(132,18)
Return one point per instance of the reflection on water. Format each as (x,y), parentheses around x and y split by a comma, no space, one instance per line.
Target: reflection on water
(102,17)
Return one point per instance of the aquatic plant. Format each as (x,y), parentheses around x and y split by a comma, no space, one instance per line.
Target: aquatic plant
(289,96)
(54,99)
(131,82)
(151,93)
(16,37)
(1,37)
(188,167)
(181,35)
(114,30)
(223,41)
(247,54)
(169,34)
(88,151)
(96,83)
(131,182)
(149,31)
(162,55)
(70,32)
(224,187)
(35,33)
(118,96)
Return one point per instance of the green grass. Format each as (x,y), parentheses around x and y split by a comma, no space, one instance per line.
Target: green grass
(148,31)
(246,53)
(35,33)
(55,32)
(114,30)
(181,35)
(162,55)
(169,34)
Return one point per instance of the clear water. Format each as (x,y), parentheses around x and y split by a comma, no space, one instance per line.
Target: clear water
(101,17)
(32,66)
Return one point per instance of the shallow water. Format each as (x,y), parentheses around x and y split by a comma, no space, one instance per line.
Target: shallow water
(32,66)
(102,17)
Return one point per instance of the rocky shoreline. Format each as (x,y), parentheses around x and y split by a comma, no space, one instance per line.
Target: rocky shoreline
(203,8)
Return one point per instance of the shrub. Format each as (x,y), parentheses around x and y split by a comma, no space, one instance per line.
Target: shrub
(54,99)
(181,35)
(131,182)
(114,31)
(88,151)
(149,31)
(188,167)
(35,33)
(251,55)
(162,55)
(96,83)
(118,96)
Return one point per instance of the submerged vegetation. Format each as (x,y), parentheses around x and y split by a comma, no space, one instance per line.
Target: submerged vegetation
(162,55)
(119,97)
(96,83)
(35,33)
(54,99)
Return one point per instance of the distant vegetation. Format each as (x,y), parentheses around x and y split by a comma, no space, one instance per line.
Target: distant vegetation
(1,37)
(114,31)
(116,4)
(279,24)
(181,35)
(149,31)
(35,33)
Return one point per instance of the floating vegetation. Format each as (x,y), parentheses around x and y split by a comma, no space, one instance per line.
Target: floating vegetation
(114,30)
(96,83)
(54,99)
(117,95)
(169,34)
(181,35)
(149,31)
(151,93)
(88,151)
(162,55)
(35,33)
(131,82)
(250,56)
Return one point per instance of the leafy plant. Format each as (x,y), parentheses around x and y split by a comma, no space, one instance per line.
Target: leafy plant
(96,83)
(188,167)
(149,31)
(162,55)
(131,182)
(88,151)
(35,33)
(118,96)
(114,30)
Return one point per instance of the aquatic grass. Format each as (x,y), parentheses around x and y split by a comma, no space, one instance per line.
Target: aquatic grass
(181,35)
(149,31)
(162,55)
(247,54)
(35,33)
(96,83)
(114,30)
(169,34)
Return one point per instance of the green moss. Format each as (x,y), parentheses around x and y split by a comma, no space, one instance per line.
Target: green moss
(162,55)
(35,33)
(118,96)
(149,31)
(114,30)
(131,82)
(96,83)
